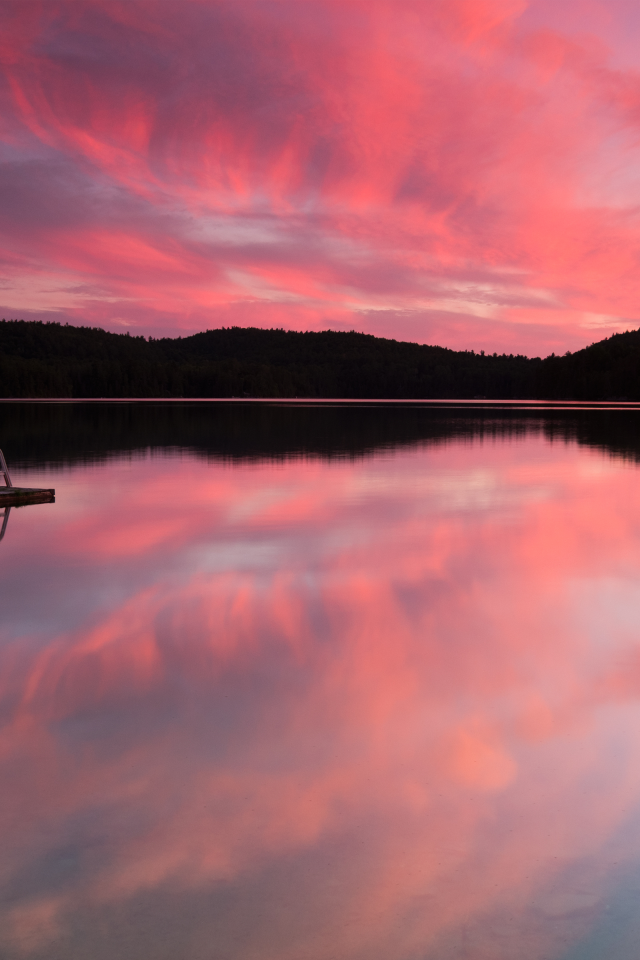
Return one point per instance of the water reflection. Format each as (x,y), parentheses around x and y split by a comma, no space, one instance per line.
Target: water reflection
(4,517)
(380,707)
(68,433)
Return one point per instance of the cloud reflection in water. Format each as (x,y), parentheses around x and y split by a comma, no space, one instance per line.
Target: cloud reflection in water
(376,708)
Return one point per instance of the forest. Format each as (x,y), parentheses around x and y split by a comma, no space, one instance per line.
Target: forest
(39,360)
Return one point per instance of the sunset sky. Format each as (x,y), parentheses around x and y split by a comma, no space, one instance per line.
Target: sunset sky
(457,172)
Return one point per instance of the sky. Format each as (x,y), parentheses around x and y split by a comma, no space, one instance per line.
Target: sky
(456,172)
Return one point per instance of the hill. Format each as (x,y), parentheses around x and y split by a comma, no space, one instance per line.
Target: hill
(53,360)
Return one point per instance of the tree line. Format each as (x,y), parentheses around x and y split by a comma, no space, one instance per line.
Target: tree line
(56,360)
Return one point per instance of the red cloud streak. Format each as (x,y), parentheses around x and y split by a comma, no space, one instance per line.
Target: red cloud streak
(461,172)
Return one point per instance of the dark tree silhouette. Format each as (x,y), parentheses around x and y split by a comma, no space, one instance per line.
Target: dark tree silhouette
(53,360)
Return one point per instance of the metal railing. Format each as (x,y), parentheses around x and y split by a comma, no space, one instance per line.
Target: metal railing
(5,470)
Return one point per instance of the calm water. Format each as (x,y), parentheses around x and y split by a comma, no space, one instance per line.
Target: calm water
(289,683)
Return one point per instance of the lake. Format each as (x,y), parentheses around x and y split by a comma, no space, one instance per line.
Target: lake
(321,682)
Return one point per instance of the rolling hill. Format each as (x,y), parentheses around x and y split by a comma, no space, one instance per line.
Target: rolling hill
(40,360)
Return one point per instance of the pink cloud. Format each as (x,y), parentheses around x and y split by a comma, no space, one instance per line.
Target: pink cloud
(464,171)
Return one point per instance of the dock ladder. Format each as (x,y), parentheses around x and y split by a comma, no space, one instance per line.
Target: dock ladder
(5,470)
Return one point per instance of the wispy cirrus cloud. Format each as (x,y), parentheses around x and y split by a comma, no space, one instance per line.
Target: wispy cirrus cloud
(453,172)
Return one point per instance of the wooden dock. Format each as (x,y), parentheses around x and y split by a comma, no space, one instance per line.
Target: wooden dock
(11,496)
(21,496)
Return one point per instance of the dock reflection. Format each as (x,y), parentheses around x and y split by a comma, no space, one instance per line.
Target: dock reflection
(5,520)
